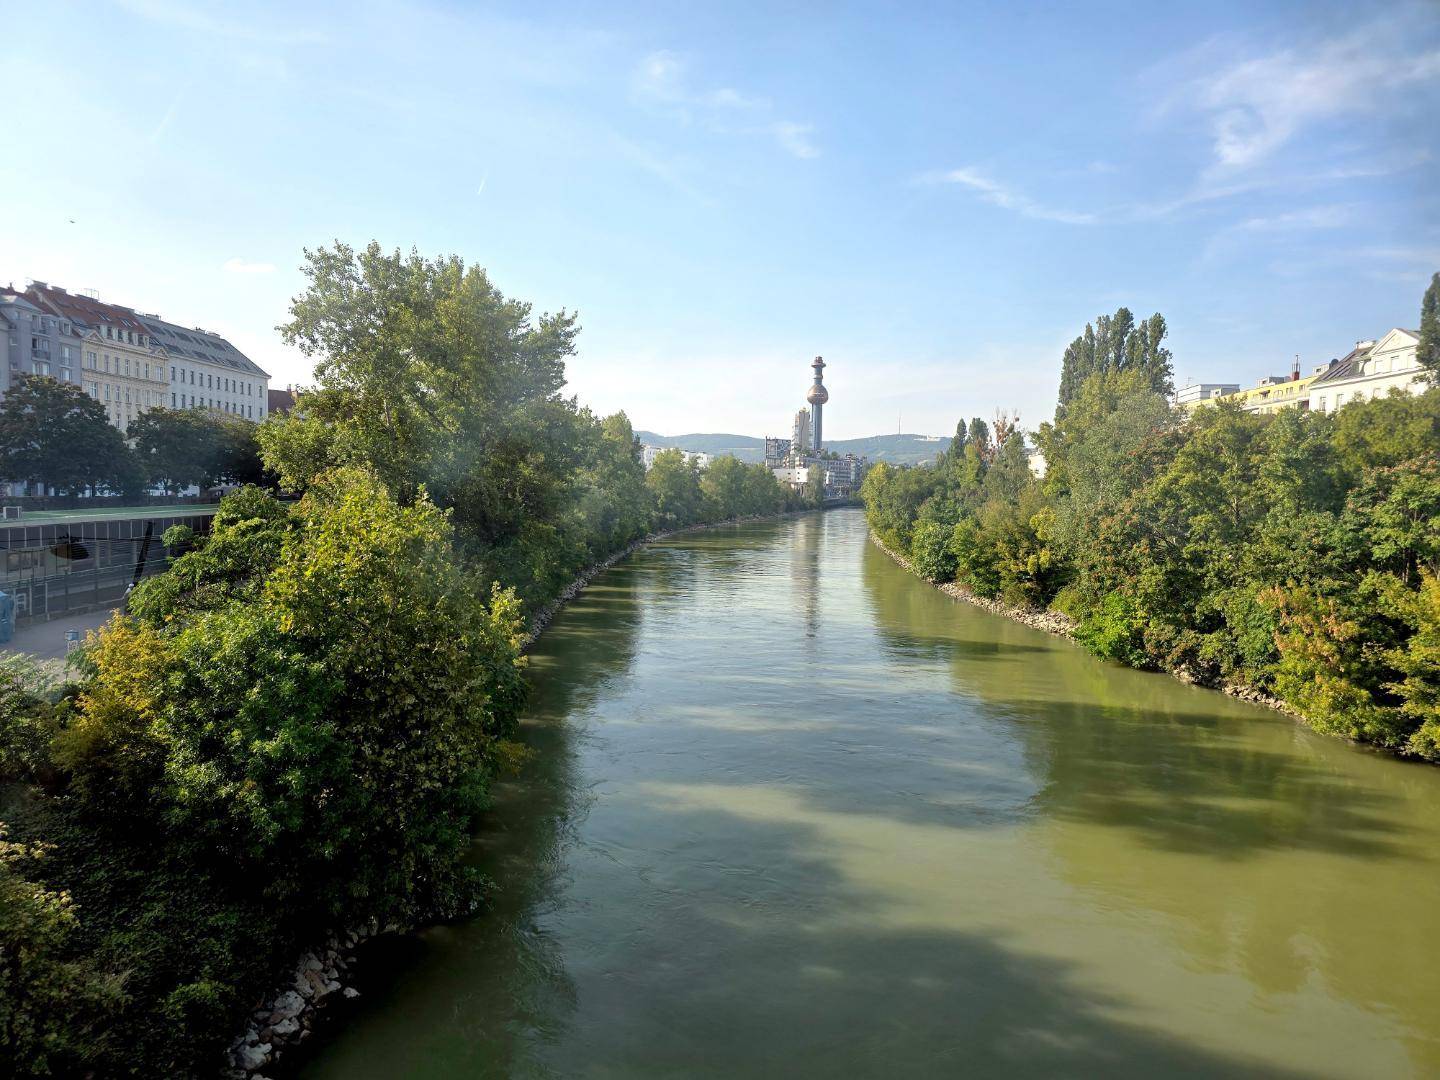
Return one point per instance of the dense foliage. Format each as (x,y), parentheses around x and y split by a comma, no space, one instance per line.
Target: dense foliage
(53,433)
(182,448)
(1298,553)
(294,728)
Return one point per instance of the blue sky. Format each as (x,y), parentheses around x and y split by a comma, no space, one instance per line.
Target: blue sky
(935,197)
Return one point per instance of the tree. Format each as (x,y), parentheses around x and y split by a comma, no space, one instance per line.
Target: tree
(434,380)
(296,731)
(235,458)
(674,483)
(979,433)
(52,434)
(176,447)
(1117,343)
(1428,352)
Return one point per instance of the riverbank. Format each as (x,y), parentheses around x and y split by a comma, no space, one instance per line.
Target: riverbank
(289,1016)
(1053,622)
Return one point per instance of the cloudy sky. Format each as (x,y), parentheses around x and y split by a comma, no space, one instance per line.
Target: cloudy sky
(935,196)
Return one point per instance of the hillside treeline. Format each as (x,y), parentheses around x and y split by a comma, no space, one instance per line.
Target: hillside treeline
(1296,553)
(294,728)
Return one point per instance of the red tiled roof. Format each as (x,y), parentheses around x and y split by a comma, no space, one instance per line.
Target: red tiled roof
(83,309)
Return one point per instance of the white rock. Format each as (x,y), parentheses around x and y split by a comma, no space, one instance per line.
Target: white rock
(287,1026)
(350,992)
(287,1005)
(252,1057)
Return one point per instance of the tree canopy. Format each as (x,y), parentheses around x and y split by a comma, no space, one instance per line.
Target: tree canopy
(54,434)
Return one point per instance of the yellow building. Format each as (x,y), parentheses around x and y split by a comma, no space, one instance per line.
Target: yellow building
(121,365)
(1272,394)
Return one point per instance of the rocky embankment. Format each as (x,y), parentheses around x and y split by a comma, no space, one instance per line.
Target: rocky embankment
(288,1019)
(1053,622)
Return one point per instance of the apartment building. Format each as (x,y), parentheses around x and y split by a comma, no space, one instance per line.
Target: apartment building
(34,342)
(204,371)
(120,366)
(1372,369)
(126,360)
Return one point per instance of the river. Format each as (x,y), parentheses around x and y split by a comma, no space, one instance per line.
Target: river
(795,813)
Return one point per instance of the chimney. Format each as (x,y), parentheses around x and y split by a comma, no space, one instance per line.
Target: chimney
(1295,369)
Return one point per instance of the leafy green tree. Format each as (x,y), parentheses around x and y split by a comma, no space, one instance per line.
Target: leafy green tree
(1395,514)
(176,447)
(979,437)
(236,455)
(674,485)
(612,504)
(1428,352)
(1386,431)
(1417,663)
(52,434)
(722,486)
(1115,343)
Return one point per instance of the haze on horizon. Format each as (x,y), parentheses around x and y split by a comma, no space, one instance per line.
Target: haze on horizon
(936,202)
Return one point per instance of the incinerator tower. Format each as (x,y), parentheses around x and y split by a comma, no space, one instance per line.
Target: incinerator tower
(817,397)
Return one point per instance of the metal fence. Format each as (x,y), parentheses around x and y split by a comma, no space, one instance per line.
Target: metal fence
(65,566)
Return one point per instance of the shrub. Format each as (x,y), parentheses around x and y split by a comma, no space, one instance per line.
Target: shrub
(1113,629)
(930,552)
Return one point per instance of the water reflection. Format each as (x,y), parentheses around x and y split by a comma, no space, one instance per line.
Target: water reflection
(796,813)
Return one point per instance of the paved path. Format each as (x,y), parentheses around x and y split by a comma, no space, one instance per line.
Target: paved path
(46,640)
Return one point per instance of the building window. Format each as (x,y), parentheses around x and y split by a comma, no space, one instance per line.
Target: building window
(90,357)
(172,399)
(172,372)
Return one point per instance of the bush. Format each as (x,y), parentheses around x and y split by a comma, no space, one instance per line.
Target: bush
(930,552)
(55,1004)
(1113,629)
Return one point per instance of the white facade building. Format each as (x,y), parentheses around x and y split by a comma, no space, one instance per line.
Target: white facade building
(648,454)
(1188,396)
(206,372)
(1371,370)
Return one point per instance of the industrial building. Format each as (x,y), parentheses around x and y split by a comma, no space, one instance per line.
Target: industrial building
(800,460)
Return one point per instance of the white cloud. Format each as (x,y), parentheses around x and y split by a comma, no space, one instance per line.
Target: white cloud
(1315,217)
(795,138)
(996,194)
(238,265)
(661,82)
(1253,107)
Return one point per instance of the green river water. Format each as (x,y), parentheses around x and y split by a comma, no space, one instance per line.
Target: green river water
(794,812)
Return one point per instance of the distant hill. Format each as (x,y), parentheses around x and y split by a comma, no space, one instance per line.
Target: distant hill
(896,449)
(744,447)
